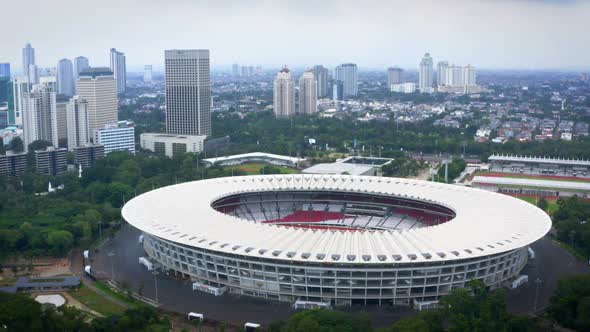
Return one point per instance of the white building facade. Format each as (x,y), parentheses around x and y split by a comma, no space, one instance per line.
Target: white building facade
(308,93)
(116,137)
(188,92)
(119,69)
(347,73)
(425,74)
(171,145)
(99,88)
(284,94)
(39,113)
(77,123)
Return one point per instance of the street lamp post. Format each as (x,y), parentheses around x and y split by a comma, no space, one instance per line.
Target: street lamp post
(572,237)
(155,273)
(111,254)
(538,283)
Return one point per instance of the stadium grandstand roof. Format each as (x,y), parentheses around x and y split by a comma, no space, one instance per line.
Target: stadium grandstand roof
(565,185)
(485,223)
(253,155)
(540,160)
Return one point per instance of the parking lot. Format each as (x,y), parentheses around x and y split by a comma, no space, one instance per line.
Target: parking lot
(176,294)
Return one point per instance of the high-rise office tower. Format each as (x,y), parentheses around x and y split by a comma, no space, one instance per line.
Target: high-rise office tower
(61,103)
(65,78)
(308,91)
(5,88)
(119,69)
(33,74)
(235,70)
(39,113)
(425,73)
(394,76)
(321,75)
(28,58)
(80,63)
(348,74)
(188,92)
(284,94)
(5,69)
(99,88)
(77,123)
(441,73)
(147,74)
(20,86)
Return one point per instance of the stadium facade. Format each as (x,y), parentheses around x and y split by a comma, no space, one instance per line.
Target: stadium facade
(335,239)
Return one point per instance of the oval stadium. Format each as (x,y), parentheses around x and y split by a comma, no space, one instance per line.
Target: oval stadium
(335,239)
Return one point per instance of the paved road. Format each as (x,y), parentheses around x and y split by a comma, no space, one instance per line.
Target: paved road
(551,263)
(175,294)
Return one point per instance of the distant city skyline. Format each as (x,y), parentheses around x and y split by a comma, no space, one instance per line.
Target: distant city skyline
(513,34)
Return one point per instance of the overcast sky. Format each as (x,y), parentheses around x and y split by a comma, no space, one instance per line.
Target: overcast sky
(524,34)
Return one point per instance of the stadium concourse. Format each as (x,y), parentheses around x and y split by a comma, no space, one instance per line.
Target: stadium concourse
(326,240)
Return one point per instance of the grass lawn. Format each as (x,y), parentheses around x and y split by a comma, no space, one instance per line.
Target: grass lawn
(117,294)
(96,301)
(552,203)
(254,169)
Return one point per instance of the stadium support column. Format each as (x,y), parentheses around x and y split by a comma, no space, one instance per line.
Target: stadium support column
(446,172)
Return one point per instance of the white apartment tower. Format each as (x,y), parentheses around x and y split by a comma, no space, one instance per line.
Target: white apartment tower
(119,69)
(284,94)
(347,73)
(65,78)
(80,63)
(20,86)
(39,113)
(425,73)
(188,92)
(28,59)
(308,93)
(77,123)
(441,73)
(99,88)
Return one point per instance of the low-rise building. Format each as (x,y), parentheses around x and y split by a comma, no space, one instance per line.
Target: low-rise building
(170,145)
(13,164)
(116,137)
(87,155)
(51,161)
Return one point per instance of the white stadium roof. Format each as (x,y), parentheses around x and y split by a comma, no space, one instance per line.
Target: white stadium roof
(571,185)
(253,155)
(486,223)
(540,160)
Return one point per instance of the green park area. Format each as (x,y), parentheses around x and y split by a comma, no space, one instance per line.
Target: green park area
(96,301)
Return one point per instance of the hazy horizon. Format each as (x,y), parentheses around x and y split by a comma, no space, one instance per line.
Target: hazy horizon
(500,34)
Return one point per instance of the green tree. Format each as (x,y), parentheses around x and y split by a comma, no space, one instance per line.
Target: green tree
(16,145)
(60,241)
(570,303)
(543,204)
